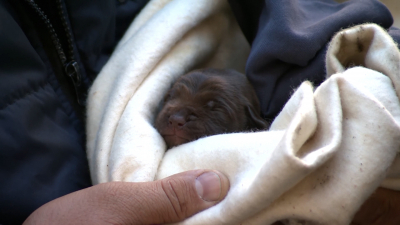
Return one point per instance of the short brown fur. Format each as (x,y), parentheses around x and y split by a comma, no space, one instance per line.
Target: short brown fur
(208,102)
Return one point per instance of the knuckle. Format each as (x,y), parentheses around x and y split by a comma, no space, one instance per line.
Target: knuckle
(178,195)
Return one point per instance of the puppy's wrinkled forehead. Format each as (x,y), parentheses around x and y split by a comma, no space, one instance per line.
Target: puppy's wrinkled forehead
(200,86)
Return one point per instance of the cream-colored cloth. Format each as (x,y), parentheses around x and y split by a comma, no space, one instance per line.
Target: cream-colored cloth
(325,153)
(167,39)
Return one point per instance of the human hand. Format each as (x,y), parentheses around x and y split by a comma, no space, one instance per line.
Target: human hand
(168,200)
(382,207)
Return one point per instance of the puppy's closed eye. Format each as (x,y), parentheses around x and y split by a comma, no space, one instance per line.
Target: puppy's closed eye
(207,102)
(210,104)
(192,117)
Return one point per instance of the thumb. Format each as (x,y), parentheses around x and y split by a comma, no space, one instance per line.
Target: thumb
(168,200)
(174,198)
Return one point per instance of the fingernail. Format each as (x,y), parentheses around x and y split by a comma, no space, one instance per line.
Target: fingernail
(208,186)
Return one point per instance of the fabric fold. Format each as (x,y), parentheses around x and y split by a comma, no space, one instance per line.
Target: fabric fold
(204,36)
(329,148)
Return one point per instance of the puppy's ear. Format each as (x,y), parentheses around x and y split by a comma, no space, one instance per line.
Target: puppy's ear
(254,120)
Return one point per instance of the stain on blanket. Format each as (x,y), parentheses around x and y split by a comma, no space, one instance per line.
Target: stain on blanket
(354,46)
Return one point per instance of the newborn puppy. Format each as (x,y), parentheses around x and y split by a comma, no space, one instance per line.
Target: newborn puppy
(207,102)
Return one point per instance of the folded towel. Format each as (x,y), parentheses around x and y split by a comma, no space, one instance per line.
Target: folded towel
(325,153)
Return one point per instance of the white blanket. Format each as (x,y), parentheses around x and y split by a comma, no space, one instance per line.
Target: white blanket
(325,153)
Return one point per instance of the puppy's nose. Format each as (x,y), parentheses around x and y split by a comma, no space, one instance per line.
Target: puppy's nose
(177,120)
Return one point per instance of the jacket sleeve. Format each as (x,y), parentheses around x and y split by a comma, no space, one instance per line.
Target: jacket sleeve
(289,41)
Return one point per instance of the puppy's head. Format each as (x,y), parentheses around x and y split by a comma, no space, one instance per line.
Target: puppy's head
(207,102)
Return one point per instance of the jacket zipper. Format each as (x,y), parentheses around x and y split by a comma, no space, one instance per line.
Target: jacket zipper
(71,67)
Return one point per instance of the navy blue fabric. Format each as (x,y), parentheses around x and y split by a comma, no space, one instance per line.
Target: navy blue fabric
(42,136)
(289,40)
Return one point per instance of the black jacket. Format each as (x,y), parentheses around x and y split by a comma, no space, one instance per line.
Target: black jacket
(50,52)
(44,70)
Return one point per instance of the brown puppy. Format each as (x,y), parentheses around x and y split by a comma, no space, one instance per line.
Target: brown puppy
(207,102)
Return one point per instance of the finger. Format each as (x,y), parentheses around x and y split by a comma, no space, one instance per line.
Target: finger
(174,198)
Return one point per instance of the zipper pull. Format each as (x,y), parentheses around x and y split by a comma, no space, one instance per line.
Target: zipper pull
(73,72)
